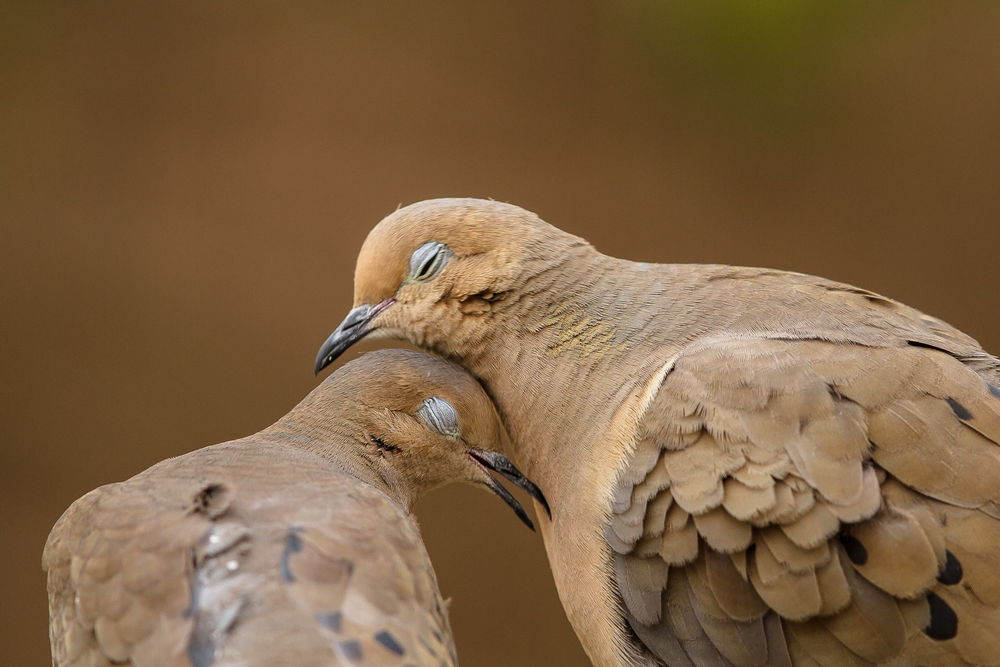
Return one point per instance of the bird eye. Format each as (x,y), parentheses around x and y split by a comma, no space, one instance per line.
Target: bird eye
(427,260)
(439,415)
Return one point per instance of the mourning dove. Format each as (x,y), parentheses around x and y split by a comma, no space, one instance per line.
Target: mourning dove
(293,546)
(745,466)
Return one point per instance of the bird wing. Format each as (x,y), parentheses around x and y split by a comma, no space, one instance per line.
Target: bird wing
(181,565)
(813,501)
(366,578)
(120,565)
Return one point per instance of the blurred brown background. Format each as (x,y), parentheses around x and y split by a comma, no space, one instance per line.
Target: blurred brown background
(184,187)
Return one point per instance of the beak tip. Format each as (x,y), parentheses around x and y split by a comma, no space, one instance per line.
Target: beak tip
(354,327)
(545,505)
(319,365)
(501,464)
(523,516)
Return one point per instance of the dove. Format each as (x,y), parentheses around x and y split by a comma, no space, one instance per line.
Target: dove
(293,546)
(745,466)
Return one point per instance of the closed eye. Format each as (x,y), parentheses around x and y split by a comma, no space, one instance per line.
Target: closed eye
(439,415)
(428,260)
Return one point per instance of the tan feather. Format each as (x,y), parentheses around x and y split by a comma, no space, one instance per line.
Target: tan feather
(648,546)
(722,531)
(685,625)
(777,643)
(698,495)
(636,510)
(783,509)
(872,625)
(876,380)
(677,518)
(662,644)
(916,615)
(627,533)
(909,448)
(622,498)
(653,524)
(977,464)
(897,555)
(654,482)
(109,641)
(811,643)
(813,527)
(833,586)
(615,542)
(791,556)
(742,643)
(927,512)
(641,582)
(642,461)
(754,476)
(740,561)
(681,546)
(794,595)
(734,594)
(977,638)
(867,503)
(829,452)
(746,503)
(973,538)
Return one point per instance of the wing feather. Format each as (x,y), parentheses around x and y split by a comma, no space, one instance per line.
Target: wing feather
(839,499)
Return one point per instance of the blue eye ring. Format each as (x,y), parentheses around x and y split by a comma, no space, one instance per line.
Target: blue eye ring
(439,415)
(428,260)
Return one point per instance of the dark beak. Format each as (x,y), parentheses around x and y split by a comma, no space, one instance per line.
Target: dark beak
(354,327)
(502,465)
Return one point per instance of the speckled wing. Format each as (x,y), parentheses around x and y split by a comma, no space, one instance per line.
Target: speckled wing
(120,571)
(367,580)
(812,502)
(295,563)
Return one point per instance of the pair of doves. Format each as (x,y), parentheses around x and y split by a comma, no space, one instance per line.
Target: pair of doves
(744,466)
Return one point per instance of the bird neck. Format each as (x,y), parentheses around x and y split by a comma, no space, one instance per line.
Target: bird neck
(582,347)
(342,438)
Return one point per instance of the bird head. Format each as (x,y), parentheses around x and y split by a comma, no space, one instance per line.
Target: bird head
(434,272)
(420,421)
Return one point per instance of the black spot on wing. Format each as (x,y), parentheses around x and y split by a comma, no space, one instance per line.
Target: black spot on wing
(995,390)
(960,410)
(951,573)
(351,650)
(855,550)
(330,619)
(293,544)
(944,622)
(386,639)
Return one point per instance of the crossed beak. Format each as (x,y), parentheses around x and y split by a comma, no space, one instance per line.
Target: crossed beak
(355,326)
(501,464)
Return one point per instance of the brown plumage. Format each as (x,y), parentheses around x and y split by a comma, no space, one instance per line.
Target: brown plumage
(293,546)
(746,466)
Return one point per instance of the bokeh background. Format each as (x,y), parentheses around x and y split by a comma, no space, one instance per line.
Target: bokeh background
(184,186)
